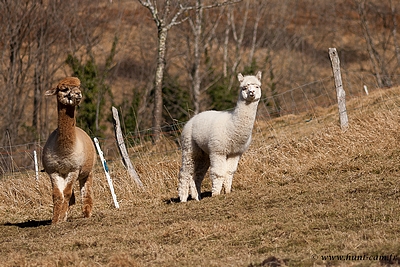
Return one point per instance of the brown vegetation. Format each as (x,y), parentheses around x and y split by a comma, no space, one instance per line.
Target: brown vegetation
(286,40)
(304,190)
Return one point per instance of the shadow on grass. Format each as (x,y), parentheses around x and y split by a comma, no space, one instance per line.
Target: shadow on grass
(176,199)
(29,224)
(271,262)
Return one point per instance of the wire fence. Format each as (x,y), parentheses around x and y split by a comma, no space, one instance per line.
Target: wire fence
(303,99)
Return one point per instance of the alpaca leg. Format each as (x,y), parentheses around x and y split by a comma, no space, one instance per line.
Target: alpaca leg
(201,165)
(87,194)
(62,192)
(183,188)
(193,189)
(68,193)
(58,199)
(232,163)
(218,173)
(186,171)
(185,177)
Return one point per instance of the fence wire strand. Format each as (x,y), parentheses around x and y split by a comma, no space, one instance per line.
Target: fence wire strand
(303,99)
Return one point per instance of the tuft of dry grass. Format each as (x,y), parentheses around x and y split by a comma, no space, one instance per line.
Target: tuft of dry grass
(303,191)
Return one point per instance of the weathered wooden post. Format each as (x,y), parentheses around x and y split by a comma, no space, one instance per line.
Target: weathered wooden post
(122,148)
(340,93)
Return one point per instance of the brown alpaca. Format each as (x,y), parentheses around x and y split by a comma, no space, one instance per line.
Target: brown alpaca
(69,153)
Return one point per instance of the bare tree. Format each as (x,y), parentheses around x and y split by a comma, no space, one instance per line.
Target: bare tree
(226,47)
(48,34)
(372,51)
(17,22)
(238,35)
(202,37)
(394,32)
(260,9)
(164,23)
(35,38)
(195,74)
(379,46)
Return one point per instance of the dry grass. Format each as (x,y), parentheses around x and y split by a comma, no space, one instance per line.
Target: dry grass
(304,190)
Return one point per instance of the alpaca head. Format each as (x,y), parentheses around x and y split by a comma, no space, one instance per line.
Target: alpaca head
(250,87)
(68,91)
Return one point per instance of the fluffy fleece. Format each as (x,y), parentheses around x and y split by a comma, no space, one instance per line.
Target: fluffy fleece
(217,139)
(69,153)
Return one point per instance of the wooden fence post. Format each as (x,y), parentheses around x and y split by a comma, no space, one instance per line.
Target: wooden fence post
(340,93)
(122,148)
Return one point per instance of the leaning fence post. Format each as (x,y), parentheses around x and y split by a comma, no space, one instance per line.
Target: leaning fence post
(122,148)
(340,93)
(105,167)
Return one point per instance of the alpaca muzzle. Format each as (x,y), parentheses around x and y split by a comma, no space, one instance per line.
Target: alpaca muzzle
(75,98)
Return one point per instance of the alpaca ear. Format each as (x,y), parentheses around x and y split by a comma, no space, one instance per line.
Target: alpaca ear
(258,76)
(51,91)
(240,77)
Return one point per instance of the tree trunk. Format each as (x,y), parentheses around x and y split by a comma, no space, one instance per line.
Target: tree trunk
(158,98)
(38,80)
(238,38)
(377,64)
(196,82)
(226,45)
(260,11)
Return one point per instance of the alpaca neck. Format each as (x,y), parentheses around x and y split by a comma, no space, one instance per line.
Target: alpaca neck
(66,125)
(244,114)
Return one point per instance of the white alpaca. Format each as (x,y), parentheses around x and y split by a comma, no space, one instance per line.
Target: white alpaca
(69,153)
(218,139)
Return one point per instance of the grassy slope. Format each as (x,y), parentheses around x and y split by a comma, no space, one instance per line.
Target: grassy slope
(302,191)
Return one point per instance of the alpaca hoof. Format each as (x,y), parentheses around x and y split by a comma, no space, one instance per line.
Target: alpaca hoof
(213,194)
(183,197)
(87,213)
